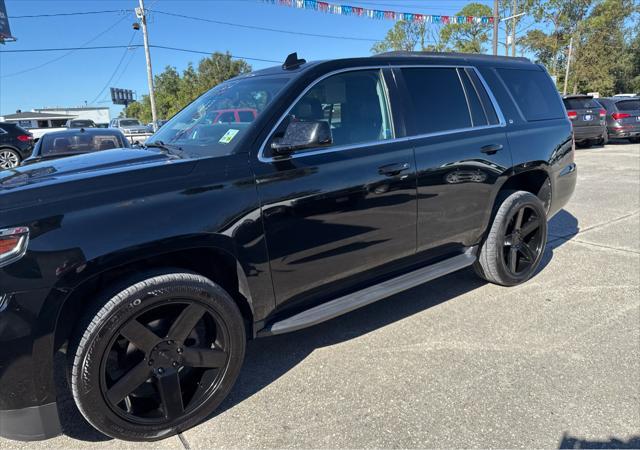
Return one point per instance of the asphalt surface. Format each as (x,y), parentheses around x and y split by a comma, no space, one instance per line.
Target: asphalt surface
(458,362)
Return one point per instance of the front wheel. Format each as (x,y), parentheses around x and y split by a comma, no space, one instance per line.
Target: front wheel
(514,246)
(157,357)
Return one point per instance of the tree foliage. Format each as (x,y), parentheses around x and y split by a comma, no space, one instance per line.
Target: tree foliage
(467,37)
(174,91)
(403,36)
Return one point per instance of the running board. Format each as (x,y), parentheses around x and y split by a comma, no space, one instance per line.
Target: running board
(353,301)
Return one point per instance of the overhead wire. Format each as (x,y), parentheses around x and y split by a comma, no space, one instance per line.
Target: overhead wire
(113,74)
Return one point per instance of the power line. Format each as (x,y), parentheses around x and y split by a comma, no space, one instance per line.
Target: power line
(104,47)
(255,27)
(124,54)
(77,13)
(58,58)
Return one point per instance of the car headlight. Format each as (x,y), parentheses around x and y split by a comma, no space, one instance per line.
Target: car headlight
(13,244)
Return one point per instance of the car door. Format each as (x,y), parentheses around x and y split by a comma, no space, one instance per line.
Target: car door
(334,213)
(461,152)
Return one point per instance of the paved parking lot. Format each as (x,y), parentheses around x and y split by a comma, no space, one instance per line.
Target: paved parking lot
(457,362)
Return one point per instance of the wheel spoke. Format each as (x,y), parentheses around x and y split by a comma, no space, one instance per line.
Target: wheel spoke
(171,394)
(195,357)
(513,259)
(519,219)
(129,382)
(186,322)
(528,253)
(140,336)
(530,227)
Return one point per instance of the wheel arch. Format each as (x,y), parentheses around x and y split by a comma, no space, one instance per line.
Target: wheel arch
(216,262)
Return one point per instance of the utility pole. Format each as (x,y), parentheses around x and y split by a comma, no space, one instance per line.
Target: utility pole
(152,97)
(566,74)
(496,19)
(514,5)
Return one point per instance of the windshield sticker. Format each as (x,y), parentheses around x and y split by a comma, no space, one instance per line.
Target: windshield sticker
(228,136)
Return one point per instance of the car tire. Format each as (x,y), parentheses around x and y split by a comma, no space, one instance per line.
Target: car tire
(634,140)
(9,158)
(156,355)
(515,243)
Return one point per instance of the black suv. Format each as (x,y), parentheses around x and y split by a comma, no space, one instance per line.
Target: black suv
(353,180)
(16,144)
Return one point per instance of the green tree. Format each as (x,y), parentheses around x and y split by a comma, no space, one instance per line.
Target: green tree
(403,36)
(174,91)
(468,37)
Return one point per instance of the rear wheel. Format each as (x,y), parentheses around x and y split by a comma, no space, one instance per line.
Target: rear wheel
(514,246)
(157,357)
(634,140)
(9,158)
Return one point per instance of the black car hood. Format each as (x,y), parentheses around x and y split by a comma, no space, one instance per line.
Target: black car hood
(81,165)
(55,179)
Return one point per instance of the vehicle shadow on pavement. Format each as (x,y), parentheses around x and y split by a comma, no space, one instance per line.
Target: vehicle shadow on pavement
(572,442)
(270,358)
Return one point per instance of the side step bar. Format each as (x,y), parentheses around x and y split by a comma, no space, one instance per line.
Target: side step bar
(350,302)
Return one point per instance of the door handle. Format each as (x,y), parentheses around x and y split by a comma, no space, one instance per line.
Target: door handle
(393,169)
(491,149)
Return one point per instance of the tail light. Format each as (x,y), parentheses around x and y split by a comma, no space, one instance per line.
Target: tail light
(24,138)
(572,115)
(603,113)
(618,116)
(13,244)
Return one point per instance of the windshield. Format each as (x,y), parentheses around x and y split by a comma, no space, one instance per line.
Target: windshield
(72,143)
(628,105)
(214,123)
(581,103)
(81,124)
(130,123)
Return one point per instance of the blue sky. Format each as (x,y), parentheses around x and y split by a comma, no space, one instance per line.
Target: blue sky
(81,75)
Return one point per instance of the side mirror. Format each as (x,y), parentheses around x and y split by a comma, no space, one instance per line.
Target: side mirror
(302,135)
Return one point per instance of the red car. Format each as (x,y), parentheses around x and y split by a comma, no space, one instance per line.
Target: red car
(232,115)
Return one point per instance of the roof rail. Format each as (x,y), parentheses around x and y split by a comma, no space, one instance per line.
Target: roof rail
(451,54)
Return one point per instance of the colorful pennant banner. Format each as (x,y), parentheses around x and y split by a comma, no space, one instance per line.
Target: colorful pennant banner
(347,10)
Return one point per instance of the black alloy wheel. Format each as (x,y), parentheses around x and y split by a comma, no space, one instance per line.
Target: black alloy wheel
(523,240)
(515,242)
(157,357)
(165,362)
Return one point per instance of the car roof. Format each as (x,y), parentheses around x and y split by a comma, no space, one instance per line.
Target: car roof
(87,131)
(400,58)
(577,96)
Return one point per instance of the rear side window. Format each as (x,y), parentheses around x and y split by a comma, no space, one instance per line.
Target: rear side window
(534,93)
(438,102)
(486,101)
(628,105)
(478,115)
(580,103)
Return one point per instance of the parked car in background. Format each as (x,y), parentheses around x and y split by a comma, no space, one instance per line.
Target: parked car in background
(626,95)
(623,117)
(129,126)
(152,266)
(232,115)
(16,144)
(60,144)
(80,123)
(159,124)
(587,119)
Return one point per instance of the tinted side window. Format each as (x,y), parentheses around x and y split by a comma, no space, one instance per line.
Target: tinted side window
(478,115)
(534,93)
(353,103)
(482,93)
(438,101)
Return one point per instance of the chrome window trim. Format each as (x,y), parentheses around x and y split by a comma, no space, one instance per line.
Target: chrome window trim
(466,98)
(494,102)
